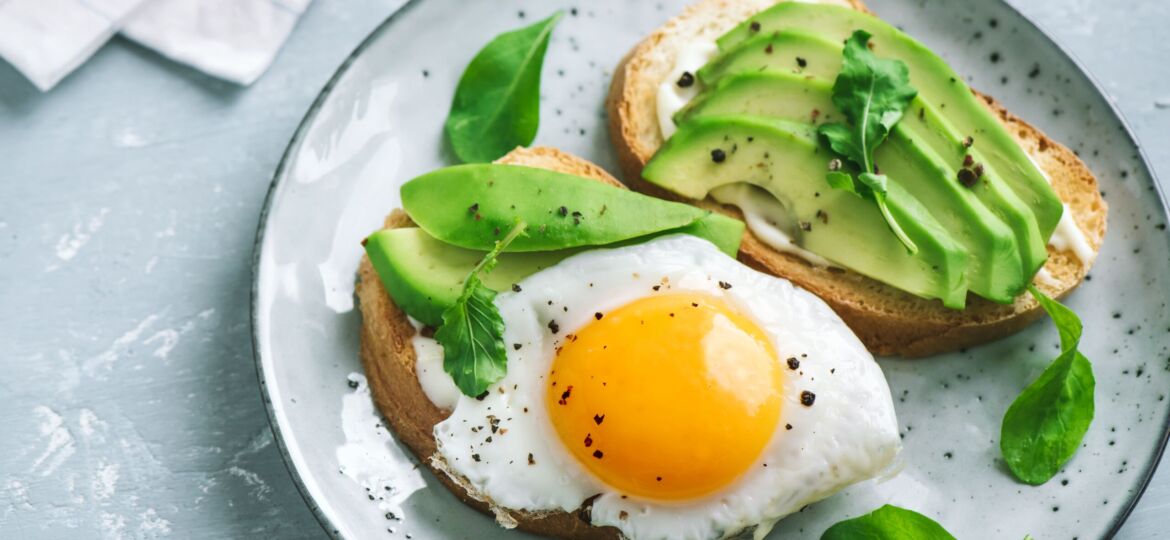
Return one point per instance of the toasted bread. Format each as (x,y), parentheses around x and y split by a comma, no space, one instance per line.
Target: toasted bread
(888,321)
(388,358)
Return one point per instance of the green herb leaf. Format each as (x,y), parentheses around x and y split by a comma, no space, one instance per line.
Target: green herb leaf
(844,181)
(872,93)
(497,103)
(1045,425)
(876,186)
(888,523)
(472,333)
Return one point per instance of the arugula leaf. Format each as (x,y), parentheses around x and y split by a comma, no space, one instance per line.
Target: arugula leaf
(472,333)
(888,523)
(844,181)
(497,103)
(872,93)
(1044,426)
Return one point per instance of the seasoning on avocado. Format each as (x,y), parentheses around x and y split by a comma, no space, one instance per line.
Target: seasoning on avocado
(823,216)
(968,178)
(686,80)
(968,141)
(793,363)
(801,62)
(563,211)
(807,398)
(968,160)
(718,155)
(755,26)
(473,208)
(978,170)
(805,226)
(768,49)
(834,164)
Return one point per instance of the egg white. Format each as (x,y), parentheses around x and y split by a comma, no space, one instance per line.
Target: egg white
(848,435)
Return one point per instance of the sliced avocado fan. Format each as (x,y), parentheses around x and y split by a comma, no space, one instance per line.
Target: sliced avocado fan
(785,159)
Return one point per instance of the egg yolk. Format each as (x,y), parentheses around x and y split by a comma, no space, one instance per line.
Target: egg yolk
(669,397)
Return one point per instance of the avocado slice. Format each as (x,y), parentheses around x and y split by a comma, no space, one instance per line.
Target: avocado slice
(472,206)
(937,85)
(997,266)
(785,159)
(796,98)
(790,50)
(425,276)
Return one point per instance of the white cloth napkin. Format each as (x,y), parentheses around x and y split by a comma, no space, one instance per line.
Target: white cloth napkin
(234,40)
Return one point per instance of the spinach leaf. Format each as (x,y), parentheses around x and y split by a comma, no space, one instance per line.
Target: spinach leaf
(888,523)
(472,333)
(1044,426)
(497,103)
(872,93)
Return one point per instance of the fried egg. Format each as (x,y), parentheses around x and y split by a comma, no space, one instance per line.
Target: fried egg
(673,392)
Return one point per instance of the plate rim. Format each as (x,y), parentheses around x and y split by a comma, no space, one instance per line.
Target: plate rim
(278,177)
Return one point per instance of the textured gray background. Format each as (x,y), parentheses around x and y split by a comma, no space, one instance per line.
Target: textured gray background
(128,204)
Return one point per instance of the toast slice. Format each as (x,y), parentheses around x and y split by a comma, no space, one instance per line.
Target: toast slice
(389,361)
(888,321)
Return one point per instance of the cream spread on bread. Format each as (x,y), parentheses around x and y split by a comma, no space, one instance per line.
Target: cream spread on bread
(428,365)
(763,214)
(1069,237)
(673,94)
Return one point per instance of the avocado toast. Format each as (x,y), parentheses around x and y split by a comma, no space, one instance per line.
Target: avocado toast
(995,228)
(638,396)
(388,358)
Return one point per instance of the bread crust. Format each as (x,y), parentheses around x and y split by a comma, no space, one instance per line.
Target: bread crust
(888,321)
(388,358)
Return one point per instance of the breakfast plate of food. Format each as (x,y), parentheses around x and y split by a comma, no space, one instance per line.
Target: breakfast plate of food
(712,268)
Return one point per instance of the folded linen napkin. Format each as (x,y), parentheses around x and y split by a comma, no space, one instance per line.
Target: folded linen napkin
(234,40)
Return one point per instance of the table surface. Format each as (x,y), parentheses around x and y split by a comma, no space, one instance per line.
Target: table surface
(129,199)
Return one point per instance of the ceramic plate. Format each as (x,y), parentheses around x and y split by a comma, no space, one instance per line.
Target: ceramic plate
(379,123)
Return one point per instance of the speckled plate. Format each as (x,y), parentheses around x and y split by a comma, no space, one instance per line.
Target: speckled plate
(379,122)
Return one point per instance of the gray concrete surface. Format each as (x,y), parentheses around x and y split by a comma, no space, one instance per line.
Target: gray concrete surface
(129,198)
